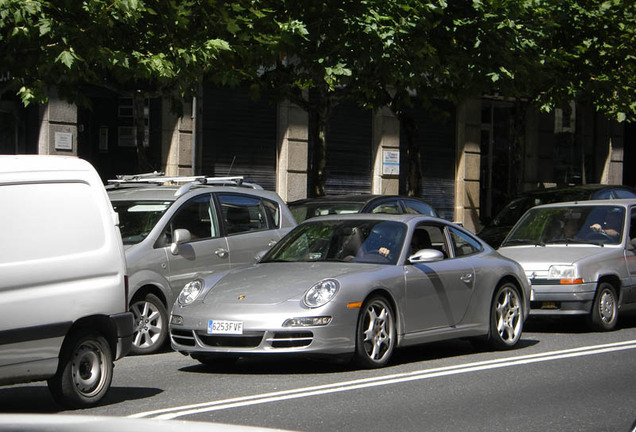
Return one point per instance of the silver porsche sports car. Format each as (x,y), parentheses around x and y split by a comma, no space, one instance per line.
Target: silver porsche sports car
(355,285)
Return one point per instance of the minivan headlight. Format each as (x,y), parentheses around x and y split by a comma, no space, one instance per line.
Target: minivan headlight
(321,293)
(190,292)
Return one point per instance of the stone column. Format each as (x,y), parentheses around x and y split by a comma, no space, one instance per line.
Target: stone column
(386,142)
(58,127)
(467,164)
(177,140)
(292,152)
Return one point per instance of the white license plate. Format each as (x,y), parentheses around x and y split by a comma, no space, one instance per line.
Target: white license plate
(225,327)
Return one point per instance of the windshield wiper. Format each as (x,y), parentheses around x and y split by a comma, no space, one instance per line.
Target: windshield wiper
(575,241)
(523,242)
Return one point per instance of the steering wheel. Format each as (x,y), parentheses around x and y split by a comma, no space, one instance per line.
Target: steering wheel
(598,235)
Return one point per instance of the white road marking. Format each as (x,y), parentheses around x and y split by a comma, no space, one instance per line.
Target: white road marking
(185,410)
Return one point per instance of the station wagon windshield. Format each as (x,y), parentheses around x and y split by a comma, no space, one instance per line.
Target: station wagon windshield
(365,241)
(138,218)
(599,225)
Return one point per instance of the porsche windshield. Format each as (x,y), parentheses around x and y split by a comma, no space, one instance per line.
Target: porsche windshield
(598,225)
(138,218)
(367,241)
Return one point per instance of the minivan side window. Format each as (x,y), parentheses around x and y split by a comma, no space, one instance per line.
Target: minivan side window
(197,216)
(242,213)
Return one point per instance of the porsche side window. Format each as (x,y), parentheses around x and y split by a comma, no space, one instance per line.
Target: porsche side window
(428,237)
(463,244)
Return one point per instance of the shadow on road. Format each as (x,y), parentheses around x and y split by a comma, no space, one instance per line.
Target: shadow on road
(37,399)
(574,324)
(270,365)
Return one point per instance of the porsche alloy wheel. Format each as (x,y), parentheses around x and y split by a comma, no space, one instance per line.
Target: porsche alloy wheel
(376,333)
(506,317)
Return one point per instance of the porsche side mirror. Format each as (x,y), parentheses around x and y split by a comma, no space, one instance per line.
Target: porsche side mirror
(426,256)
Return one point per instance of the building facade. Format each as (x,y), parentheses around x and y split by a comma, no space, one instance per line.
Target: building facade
(473,157)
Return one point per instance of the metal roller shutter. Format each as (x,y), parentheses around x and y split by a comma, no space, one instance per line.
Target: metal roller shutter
(437,157)
(239,136)
(349,142)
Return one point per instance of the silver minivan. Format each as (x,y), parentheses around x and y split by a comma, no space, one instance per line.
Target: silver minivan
(63,285)
(172,232)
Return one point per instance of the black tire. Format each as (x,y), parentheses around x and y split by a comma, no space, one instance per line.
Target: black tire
(85,371)
(375,333)
(506,317)
(604,314)
(151,325)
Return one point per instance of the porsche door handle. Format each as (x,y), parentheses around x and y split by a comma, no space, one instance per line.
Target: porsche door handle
(467,278)
(221,253)
(271,243)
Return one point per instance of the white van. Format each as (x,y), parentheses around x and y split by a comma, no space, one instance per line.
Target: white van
(63,284)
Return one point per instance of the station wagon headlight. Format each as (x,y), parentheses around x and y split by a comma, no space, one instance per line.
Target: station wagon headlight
(321,293)
(190,292)
(561,272)
(565,274)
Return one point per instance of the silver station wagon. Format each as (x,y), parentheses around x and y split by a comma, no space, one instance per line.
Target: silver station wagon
(580,258)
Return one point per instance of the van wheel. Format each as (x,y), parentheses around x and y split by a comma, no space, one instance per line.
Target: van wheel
(85,371)
(151,325)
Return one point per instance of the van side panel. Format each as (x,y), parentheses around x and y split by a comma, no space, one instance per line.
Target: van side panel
(60,260)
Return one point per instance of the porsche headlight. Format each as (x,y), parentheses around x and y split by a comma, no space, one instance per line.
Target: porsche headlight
(190,292)
(321,293)
(561,272)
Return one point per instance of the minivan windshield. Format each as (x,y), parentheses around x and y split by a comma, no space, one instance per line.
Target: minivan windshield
(138,218)
(598,225)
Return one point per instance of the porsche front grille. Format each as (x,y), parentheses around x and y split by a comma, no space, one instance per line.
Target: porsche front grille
(291,339)
(247,340)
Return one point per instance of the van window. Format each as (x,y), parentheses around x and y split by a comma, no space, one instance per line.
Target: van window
(49,220)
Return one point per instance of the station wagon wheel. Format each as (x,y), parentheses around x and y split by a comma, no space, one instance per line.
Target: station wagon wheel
(151,324)
(506,317)
(604,313)
(375,336)
(85,371)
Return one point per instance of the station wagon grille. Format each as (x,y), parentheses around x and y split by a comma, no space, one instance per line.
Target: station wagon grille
(247,340)
(291,340)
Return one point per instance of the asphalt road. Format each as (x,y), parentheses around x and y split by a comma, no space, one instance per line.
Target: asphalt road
(561,377)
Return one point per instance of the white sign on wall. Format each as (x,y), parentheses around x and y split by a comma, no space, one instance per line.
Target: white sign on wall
(390,162)
(63,141)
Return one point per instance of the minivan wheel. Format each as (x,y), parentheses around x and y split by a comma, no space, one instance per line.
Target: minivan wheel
(85,371)
(151,325)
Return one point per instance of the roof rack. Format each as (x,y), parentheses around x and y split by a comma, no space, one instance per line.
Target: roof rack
(159,178)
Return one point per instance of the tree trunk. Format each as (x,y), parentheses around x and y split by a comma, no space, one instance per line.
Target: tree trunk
(414,175)
(143,164)
(319,111)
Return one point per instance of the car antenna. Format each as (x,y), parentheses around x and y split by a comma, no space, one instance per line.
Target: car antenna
(231,165)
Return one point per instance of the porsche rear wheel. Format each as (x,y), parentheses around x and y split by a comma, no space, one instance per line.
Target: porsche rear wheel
(506,317)
(375,334)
